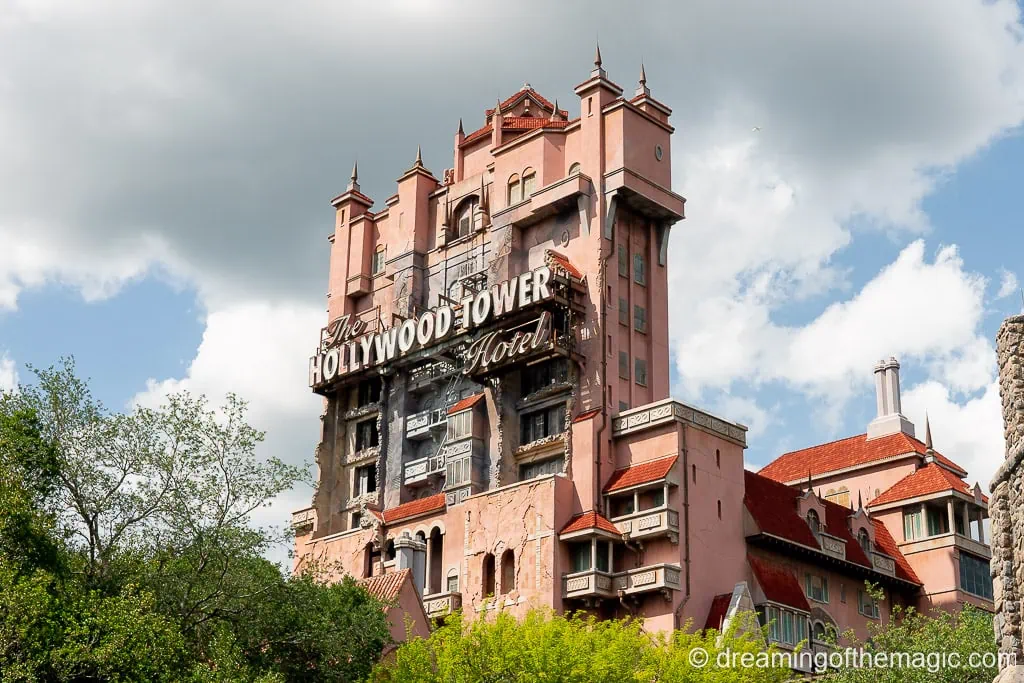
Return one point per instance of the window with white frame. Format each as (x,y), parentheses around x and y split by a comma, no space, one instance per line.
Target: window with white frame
(465,217)
(529,182)
(540,468)
(379,260)
(867,605)
(913,524)
(460,425)
(365,480)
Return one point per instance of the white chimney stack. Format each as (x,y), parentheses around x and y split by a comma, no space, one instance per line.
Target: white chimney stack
(890,419)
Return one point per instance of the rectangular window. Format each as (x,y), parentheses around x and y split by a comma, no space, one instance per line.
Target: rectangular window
(938,520)
(355,520)
(974,576)
(913,528)
(366,434)
(540,376)
(368,392)
(622,506)
(458,472)
(640,319)
(658,497)
(453,583)
(842,593)
(623,365)
(460,425)
(801,628)
(541,467)
(640,371)
(366,479)
(623,311)
(602,556)
(623,406)
(579,557)
(542,423)
(529,184)
(379,261)
(958,518)
(868,606)
(639,269)
(623,261)
(773,623)
(787,627)
(817,587)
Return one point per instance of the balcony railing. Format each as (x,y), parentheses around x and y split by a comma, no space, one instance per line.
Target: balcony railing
(883,563)
(432,372)
(591,583)
(417,471)
(832,545)
(598,584)
(440,604)
(650,524)
(419,425)
(655,577)
(302,519)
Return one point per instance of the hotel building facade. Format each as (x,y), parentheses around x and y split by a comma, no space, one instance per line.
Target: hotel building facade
(497,419)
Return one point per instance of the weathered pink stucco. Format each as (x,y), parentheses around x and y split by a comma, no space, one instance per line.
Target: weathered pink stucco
(566,478)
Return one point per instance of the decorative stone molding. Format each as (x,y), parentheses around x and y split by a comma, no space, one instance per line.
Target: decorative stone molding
(669,410)
(831,545)
(361,411)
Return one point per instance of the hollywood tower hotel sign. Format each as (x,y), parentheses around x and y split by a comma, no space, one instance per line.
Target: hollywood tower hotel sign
(495,370)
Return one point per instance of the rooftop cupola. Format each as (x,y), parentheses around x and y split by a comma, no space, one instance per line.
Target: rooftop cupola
(889,419)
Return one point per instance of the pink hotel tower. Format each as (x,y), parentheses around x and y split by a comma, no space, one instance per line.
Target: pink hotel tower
(498,432)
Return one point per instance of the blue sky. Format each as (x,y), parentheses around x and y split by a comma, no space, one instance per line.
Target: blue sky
(850,186)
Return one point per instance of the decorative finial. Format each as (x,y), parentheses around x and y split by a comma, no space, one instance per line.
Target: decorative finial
(597,58)
(643,75)
(641,89)
(809,488)
(461,132)
(554,114)
(860,500)
(928,436)
(526,86)
(353,181)
(419,156)
(497,108)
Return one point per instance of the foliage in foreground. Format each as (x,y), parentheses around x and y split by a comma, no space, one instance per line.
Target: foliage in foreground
(128,553)
(545,646)
(958,647)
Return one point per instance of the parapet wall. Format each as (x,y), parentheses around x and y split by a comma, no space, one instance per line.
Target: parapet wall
(1006,506)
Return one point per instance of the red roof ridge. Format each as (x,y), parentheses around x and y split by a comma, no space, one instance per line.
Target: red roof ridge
(386,587)
(640,473)
(926,480)
(590,519)
(586,415)
(565,263)
(779,585)
(414,508)
(466,403)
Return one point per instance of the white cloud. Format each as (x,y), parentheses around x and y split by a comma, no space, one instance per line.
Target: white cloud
(1008,284)
(8,373)
(970,432)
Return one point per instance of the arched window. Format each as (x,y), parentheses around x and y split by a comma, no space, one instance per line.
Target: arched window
(818,632)
(814,522)
(529,182)
(515,190)
(371,558)
(378,260)
(574,169)
(389,551)
(487,587)
(452,581)
(465,217)
(508,571)
(865,541)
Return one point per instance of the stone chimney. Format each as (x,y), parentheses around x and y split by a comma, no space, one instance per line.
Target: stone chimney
(1006,506)
(889,418)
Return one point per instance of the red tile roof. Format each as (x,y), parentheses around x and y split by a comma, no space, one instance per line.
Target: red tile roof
(512,101)
(587,415)
(414,508)
(466,403)
(885,543)
(716,614)
(845,453)
(386,586)
(645,472)
(590,520)
(564,263)
(927,480)
(779,584)
(773,506)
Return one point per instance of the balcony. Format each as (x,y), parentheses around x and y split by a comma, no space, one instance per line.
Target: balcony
(421,425)
(416,472)
(648,524)
(442,604)
(304,519)
(656,577)
(425,375)
(591,583)
(883,563)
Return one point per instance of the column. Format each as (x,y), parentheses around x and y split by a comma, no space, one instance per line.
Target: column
(427,587)
(951,515)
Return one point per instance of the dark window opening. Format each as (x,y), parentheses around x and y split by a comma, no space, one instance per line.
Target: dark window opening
(537,377)
(366,434)
(542,423)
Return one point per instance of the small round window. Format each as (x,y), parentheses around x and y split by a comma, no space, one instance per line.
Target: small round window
(658,153)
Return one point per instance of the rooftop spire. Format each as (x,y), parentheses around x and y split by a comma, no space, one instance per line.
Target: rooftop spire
(641,89)
(860,500)
(597,58)
(928,436)
(419,156)
(597,72)
(555,116)
(809,488)
(460,126)
(353,181)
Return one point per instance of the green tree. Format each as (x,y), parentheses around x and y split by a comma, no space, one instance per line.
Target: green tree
(545,646)
(955,646)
